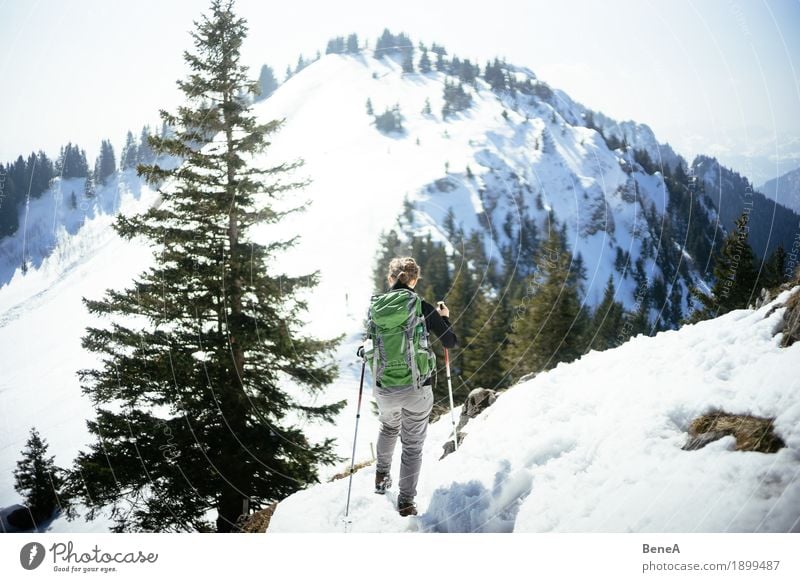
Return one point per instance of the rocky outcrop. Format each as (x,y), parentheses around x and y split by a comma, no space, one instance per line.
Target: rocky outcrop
(751,432)
(790,324)
(791,320)
(256,522)
(477,401)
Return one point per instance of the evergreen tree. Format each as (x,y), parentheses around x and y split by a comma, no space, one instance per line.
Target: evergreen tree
(775,270)
(106,163)
(267,83)
(735,277)
(72,162)
(30,176)
(460,300)
(89,186)
(547,327)
(39,480)
(426,110)
(441,63)
(607,321)
(335,46)
(424,62)
(145,154)
(493,74)
(289,73)
(455,98)
(45,171)
(483,361)
(391,120)
(352,43)
(385,44)
(9,202)
(130,153)
(191,415)
(408,62)
(370,110)
(466,72)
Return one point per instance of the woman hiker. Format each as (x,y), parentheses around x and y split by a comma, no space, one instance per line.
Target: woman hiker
(405,410)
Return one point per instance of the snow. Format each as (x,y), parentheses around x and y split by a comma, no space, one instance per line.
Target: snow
(595,446)
(359,180)
(43,319)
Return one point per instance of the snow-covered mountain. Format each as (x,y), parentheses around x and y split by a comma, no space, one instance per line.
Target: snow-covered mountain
(529,153)
(785,189)
(771,221)
(597,445)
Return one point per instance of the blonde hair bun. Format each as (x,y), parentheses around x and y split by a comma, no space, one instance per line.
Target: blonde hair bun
(403,269)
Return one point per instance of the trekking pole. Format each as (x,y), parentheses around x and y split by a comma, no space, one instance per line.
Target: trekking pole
(450,390)
(355,436)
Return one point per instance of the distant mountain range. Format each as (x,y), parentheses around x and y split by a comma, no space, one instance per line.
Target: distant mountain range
(784,189)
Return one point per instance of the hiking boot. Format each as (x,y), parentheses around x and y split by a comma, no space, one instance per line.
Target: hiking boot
(382,482)
(406,507)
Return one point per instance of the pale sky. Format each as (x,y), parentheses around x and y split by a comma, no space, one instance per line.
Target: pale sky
(709,76)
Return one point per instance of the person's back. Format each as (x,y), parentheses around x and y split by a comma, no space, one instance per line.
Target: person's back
(405,409)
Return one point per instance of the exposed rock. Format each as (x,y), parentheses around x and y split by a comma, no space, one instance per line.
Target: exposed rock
(445,185)
(791,320)
(477,401)
(22,519)
(449,447)
(702,439)
(751,432)
(790,324)
(763,298)
(256,522)
(346,473)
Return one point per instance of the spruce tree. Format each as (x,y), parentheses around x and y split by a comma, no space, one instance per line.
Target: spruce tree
(735,277)
(191,413)
(130,153)
(9,202)
(267,83)
(89,186)
(106,164)
(483,361)
(426,109)
(145,154)
(607,321)
(547,325)
(45,171)
(408,62)
(424,62)
(39,480)
(460,300)
(775,270)
(352,43)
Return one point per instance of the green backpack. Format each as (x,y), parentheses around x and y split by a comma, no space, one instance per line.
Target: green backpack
(399,352)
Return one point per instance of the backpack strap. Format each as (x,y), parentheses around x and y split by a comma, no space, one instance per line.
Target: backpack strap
(410,355)
(416,319)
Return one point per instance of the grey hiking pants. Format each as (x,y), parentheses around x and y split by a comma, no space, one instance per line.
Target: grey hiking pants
(404,412)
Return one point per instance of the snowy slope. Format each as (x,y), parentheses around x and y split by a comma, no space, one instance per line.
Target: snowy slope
(360,178)
(75,254)
(595,446)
